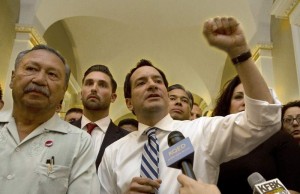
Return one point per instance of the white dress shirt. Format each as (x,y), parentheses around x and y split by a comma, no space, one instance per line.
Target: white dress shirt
(215,140)
(24,167)
(98,132)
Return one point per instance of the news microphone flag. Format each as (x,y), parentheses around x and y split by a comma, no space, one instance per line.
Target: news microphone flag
(261,186)
(179,151)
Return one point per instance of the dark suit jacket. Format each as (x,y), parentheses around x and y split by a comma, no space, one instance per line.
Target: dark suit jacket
(112,134)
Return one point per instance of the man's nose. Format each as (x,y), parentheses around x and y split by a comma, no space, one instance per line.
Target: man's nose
(152,84)
(40,78)
(178,101)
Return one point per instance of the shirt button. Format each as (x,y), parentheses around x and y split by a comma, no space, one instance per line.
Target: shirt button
(18,149)
(10,176)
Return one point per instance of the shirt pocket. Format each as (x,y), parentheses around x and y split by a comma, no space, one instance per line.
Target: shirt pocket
(53,179)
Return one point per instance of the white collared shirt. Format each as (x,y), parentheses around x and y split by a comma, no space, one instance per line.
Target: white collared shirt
(24,167)
(215,140)
(98,133)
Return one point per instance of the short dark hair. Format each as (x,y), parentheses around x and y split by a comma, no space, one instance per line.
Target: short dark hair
(288,105)
(47,48)
(104,69)
(128,121)
(188,93)
(223,101)
(77,110)
(141,63)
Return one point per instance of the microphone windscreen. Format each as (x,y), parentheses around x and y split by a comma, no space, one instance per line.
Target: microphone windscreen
(255,178)
(174,137)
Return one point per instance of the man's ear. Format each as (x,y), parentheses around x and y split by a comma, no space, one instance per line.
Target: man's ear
(113,97)
(129,104)
(12,79)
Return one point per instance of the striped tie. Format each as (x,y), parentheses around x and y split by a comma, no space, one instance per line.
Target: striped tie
(150,157)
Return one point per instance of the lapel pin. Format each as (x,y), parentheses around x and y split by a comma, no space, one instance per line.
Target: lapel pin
(49,143)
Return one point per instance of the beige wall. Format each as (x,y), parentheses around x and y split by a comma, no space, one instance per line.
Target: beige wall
(57,37)
(284,60)
(9,13)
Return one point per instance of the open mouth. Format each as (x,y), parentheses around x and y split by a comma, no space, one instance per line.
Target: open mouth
(153,96)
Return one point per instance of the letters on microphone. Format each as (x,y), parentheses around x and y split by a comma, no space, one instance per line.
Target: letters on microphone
(260,186)
(272,186)
(177,152)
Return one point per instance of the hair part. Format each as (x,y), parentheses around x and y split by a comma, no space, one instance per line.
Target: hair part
(288,105)
(128,121)
(141,63)
(104,69)
(188,93)
(21,55)
(76,110)
(224,99)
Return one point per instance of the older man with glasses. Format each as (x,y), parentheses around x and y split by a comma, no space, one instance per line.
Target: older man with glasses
(291,119)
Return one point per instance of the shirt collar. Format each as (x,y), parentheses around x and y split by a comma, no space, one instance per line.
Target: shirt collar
(5,115)
(102,123)
(164,124)
(55,123)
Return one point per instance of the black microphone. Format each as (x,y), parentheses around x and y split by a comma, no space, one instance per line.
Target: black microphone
(259,185)
(180,155)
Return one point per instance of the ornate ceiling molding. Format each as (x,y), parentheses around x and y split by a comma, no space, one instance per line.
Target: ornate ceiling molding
(35,37)
(283,8)
(259,47)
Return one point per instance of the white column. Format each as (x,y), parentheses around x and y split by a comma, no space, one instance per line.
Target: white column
(295,26)
(290,9)
(262,55)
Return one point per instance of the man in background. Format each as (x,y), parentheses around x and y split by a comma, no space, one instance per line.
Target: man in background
(73,114)
(181,102)
(196,112)
(129,124)
(97,93)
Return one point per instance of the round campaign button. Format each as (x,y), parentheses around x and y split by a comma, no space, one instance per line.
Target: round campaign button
(49,143)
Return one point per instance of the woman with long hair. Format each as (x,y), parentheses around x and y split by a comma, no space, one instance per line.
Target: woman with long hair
(277,157)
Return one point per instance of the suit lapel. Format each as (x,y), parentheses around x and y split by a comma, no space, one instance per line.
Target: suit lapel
(111,135)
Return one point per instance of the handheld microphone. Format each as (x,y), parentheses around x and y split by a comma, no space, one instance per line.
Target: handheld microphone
(259,185)
(181,154)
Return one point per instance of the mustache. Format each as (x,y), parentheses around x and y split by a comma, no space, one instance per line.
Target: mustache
(36,88)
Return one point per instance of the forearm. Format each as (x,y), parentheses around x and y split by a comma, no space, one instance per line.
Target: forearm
(227,35)
(254,84)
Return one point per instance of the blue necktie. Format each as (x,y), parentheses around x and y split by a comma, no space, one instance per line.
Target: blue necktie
(150,157)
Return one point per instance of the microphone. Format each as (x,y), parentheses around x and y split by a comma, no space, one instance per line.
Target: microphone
(181,154)
(259,185)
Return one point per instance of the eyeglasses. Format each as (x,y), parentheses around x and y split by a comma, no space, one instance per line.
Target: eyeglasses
(290,120)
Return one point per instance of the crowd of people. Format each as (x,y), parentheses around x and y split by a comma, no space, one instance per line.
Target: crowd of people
(249,130)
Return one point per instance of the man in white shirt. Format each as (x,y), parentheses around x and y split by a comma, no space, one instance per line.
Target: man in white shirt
(215,139)
(41,153)
(97,93)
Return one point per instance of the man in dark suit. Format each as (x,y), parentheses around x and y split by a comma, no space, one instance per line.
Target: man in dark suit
(98,91)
